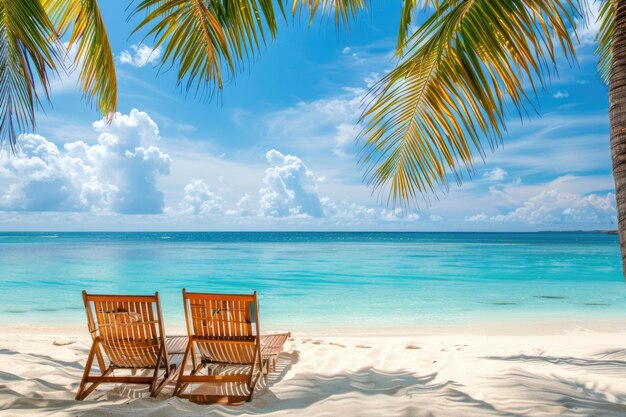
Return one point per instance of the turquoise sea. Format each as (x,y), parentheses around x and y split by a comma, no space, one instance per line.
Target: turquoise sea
(313,280)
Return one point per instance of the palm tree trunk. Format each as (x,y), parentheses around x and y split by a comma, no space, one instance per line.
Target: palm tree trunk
(617,117)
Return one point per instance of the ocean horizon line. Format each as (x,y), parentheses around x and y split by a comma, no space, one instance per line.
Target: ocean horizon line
(610,232)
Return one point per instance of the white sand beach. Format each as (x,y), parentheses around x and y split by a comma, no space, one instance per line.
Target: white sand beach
(544,369)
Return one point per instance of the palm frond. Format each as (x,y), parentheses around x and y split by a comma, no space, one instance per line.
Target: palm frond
(93,51)
(341,10)
(29,51)
(605,37)
(204,38)
(450,94)
(409,8)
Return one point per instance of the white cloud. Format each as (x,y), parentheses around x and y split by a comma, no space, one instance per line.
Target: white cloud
(345,136)
(496,174)
(372,79)
(554,206)
(348,213)
(435,218)
(290,188)
(200,200)
(244,206)
(556,144)
(140,56)
(477,218)
(592,208)
(587,32)
(325,123)
(117,174)
(560,94)
(397,214)
(330,123)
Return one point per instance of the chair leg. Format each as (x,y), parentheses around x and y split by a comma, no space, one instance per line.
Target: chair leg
(252,380)
(94,385)
(166,378)
(251,375)
(194,360)
(155,375)
(155,387)
(180,388)
(82,394)
(252,386)
(179,384)
(100,360)
(266,366)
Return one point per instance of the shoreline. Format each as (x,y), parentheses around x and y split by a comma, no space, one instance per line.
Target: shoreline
(503,327)
(333,231)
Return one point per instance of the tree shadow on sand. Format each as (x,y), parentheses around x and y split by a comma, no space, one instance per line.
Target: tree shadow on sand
(594,365)
(365,392)
(553,394)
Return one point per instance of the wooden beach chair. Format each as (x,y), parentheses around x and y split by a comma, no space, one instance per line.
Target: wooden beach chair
(224,338)
(128,336)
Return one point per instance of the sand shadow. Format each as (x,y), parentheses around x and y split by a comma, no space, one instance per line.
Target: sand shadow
(399,393)
(556,395)
(596,365)
(565,396)
(288,391)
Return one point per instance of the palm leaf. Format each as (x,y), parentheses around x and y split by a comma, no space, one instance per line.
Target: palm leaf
(93,51)
(29,50)
(209,40)
(342,10)
(450,94)
(606,18)
(203,38)
(409,8)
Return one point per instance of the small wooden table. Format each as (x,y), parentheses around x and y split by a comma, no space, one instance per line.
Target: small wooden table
(271,346)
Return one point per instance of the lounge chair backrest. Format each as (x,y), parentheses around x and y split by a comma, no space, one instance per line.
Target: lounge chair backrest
(225,327)
(130,328)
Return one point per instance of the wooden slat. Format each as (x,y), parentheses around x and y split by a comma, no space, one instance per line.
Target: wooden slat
(272,344)
(121,379)
(225,297)
(215,399)
(121,298)
(176,344)
(224,340)
(213,378)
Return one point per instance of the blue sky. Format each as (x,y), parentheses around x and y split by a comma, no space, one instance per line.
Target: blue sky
(275,151)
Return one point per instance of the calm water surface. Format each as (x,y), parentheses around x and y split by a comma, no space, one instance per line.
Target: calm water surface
(320,279)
